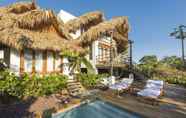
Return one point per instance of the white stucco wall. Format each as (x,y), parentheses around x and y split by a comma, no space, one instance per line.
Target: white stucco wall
(2,54)
(58,63)
(94,51)
(65,17)
(15,61)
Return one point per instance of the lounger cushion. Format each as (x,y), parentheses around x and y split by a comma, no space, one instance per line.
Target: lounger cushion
(150,93)
(127,80)
(120,86)
(154,84)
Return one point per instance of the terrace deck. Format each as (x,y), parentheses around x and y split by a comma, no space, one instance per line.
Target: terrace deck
(172,104)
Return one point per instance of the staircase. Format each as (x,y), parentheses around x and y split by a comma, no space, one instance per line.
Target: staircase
(74,87)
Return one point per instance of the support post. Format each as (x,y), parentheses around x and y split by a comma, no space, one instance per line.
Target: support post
(130,57)
(111,55)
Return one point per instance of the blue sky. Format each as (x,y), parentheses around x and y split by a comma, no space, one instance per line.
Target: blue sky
(151,21)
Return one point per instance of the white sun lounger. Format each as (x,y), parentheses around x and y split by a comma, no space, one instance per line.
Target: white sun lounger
(123,85)
(152,93)
(152,90)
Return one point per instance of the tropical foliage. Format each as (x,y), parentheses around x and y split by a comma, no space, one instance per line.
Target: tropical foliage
(174,80)
(90,80)
(169,69)
(76,60)
(173,62)
(11,85)
(148,64)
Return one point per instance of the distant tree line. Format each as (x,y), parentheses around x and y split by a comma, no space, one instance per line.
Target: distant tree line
(169,68)
(151,66)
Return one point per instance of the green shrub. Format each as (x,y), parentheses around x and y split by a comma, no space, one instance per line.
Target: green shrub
(39,86)
(90,80)
(10,84)
(30,86)
(174,80)
(53,83)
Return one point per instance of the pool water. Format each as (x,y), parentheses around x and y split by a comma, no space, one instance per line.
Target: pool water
(97,109)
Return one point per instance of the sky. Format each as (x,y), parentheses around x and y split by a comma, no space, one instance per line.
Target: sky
(151,21)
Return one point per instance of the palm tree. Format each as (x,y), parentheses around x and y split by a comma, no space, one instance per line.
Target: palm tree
(76,60)
(180,34)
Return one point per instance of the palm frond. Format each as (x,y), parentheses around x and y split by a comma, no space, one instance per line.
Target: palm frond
(88,65)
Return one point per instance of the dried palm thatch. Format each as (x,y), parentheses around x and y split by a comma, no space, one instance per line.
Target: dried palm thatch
(85,21)
(118,25)
(27,30)
(21,7)
(37,19)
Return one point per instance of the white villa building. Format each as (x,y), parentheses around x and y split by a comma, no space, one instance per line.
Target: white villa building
(100,50)
(32,39)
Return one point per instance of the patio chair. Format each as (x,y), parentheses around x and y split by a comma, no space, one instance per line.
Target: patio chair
(152,91)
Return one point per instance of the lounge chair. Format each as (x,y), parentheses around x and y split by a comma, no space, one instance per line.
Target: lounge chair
(152,91)
(122,86)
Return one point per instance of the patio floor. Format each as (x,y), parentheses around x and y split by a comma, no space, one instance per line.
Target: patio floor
(172,105)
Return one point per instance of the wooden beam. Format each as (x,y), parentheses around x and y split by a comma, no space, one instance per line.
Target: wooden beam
(33,61)
(61,65)
(21,62)
(44,70)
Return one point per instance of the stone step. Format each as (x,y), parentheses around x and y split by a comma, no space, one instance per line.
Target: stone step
(71,80)
(74,87)
(74,84)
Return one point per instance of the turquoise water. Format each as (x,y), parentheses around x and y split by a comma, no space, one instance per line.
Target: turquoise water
(97,109)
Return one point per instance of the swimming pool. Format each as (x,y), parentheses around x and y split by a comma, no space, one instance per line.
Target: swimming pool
(97,109)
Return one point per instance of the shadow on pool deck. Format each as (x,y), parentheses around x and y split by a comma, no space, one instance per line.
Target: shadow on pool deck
(19,110)
(172,105)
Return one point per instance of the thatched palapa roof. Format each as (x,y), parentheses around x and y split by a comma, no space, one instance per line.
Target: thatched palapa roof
(118,25)
(24,25)
(85,21)
(21,7)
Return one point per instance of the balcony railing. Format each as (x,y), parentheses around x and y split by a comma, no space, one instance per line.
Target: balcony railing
(119,60)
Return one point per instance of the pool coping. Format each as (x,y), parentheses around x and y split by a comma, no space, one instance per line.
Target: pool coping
(69,108)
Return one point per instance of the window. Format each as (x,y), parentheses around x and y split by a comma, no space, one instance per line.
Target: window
(50,60)
(28,56)
(15,61)
(38,61)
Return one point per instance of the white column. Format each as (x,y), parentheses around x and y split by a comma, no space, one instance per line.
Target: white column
(95,52)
